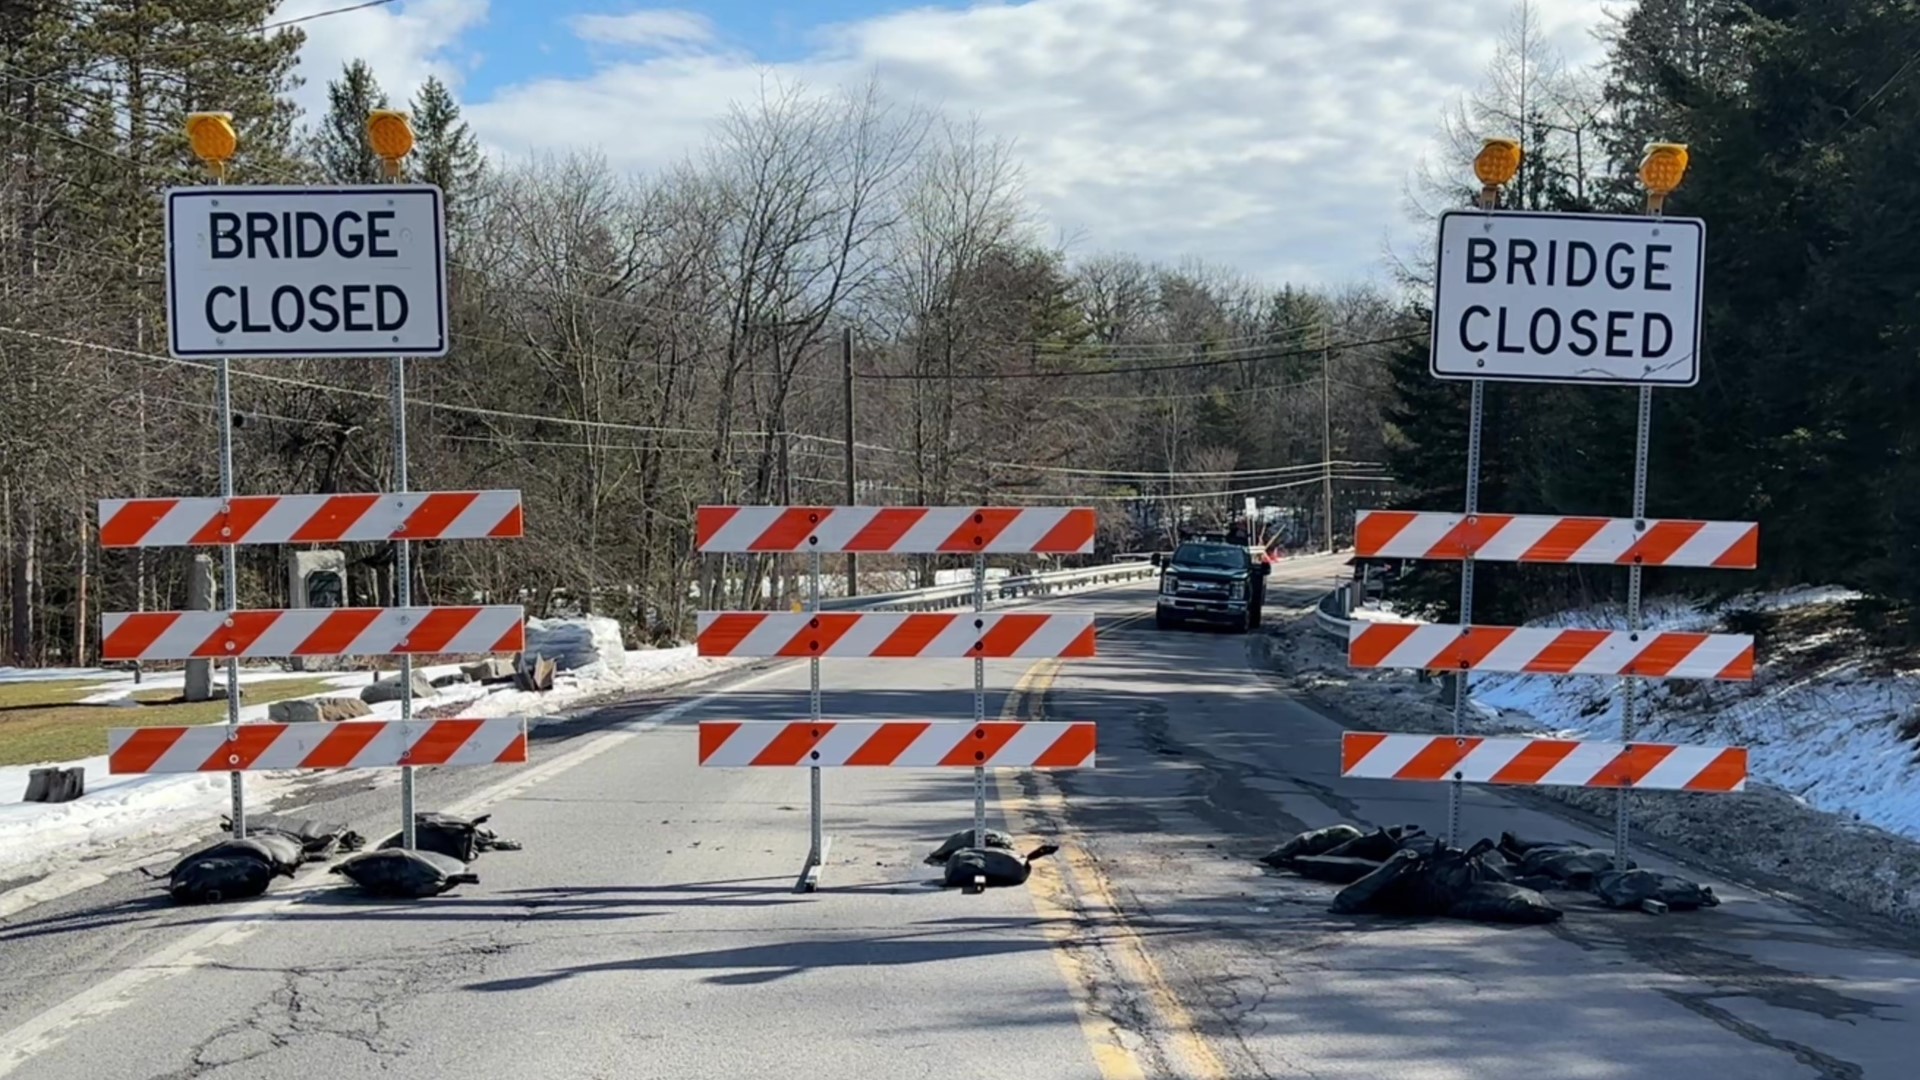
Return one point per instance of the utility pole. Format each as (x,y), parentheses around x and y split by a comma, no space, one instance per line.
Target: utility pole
(846,383)
(1326,431)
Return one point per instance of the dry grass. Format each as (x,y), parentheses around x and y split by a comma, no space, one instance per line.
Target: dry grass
(39,721)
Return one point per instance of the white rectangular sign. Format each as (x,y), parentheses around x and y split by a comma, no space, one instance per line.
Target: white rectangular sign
(1569,298)
(291,271)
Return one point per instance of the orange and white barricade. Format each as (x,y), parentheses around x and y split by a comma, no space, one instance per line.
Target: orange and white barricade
(816,743)
(236,634)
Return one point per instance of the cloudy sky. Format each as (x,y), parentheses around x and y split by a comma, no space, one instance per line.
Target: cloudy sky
(1274,136)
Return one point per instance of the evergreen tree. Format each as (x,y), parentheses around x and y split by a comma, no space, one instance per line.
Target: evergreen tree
(446,154)
(340,146)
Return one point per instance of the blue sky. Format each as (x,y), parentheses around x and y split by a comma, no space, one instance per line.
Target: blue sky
(1275,137)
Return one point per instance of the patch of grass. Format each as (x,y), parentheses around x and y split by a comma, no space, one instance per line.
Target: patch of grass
(48,727)
(33,694)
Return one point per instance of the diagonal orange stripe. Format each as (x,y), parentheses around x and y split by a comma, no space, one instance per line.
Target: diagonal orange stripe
(1723,773)
(1470,649)
(514,640)
(794,744)
(1073,748)
(1355,746)
(724,634)
(1080,647)
(147,746)
(1073,532)
(1565,652)
(979,745)
(133,521)
(333,519)
(1660,542)
(442,740)
(431,634)
(246,629)
(1663,653)
(343,744)
(1563,541)
(136,634)
(435,514)
(980,528)
(1534,761)
(241,751)
(713,735)
(511,527)
(1378,529)
(1630,766)
(709,520)
(1740,667)
(244,512)
(885,528)
(790,530)
(1005,636)
(914,634)
(337,632)
(516,751)
(1438,759)
(1742,554)
(1376,642)
(822,631)
(1468,536)
(885,746)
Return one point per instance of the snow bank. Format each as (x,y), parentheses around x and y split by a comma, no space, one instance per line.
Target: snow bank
(573,644)
(1834,800)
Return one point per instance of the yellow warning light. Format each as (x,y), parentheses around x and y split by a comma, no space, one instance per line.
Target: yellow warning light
(1497,162)
(391,136)
(212,137)
(1663,167)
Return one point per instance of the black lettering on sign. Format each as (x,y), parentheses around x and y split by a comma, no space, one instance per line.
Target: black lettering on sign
(1480,253)
(310,234)
(1653,265)
(389,317)
(1470,344)
(1618,276)
(1552,319)
(260,235)
(1516,261)
(341,239)
(1500,336)
(223,232)
(322,304)
(1582,324)
(1617,332)
(288,317)
(376,233)
(219,325)
(1647,351)
(1577,276)
(247,325)
(354,298)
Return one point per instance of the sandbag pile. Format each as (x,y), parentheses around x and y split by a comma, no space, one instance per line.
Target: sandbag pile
(994,863)
(404,873)
(232,869)
(1400,870)
(277,847)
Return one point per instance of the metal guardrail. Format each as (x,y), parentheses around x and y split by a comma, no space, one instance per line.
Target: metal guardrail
(1013,587)
(1334,609)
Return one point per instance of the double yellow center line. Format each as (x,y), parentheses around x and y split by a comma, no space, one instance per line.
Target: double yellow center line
(1072,889)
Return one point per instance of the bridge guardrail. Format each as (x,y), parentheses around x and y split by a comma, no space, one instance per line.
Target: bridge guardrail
(1045,583)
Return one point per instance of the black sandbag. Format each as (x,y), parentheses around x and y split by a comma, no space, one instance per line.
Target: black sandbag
(1502,902)
(1312,842)
(1421,844)
(1377,846)
(282,855)
(1536,882)
(214,878)
(1628,889)
(998,866)
(1376,891)
(1575,868)
(964,839)
(1334,868)
(404,872)
(1517,847)
(456,837)
(320,839)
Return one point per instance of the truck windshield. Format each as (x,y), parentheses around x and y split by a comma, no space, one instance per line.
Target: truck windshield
(1224,558)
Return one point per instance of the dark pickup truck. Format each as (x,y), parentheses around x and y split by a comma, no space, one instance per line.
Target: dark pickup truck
(1216,582)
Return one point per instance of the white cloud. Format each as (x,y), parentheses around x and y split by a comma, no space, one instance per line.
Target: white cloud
(403,43)
(1271,135)
(655,27)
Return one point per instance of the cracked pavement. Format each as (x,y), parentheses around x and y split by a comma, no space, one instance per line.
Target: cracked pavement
(649,928)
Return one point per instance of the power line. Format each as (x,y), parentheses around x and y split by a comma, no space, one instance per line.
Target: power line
(960,376)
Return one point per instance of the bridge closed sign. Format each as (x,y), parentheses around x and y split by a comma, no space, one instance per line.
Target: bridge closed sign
(291,271)
(1568,298)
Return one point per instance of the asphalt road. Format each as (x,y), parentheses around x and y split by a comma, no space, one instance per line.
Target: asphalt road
(649,927)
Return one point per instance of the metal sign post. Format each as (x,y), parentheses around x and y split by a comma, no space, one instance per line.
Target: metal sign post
(817,842)
(1476,414)
(403,594)
(979,706)
(230,590)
